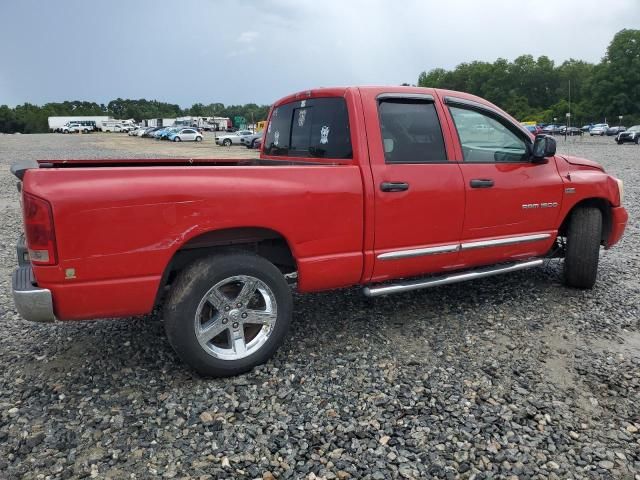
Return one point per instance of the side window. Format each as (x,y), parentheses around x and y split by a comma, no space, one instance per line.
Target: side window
(484,139)
(411,132)
(315,127)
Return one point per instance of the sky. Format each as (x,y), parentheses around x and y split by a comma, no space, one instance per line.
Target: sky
(244,51)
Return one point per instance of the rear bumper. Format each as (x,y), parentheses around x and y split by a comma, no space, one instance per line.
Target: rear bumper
(619,217)
(33,303)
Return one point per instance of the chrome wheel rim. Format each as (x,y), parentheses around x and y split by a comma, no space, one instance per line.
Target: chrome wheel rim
(236,317)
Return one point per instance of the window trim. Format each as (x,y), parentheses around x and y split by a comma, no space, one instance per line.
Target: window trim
(420,97)
(517,130)
(408,96)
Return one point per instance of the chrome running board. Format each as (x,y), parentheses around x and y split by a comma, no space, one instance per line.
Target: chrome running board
(449,278)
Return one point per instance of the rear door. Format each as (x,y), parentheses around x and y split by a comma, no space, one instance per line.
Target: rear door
(418,190)
(512,203)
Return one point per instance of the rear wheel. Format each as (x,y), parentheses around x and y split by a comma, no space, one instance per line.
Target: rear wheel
(583,247)
(228,313)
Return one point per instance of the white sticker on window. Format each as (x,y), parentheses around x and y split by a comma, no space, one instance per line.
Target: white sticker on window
(324,135)
(276,138)
(303,103)
(275,112)
(269,128)
(302,114)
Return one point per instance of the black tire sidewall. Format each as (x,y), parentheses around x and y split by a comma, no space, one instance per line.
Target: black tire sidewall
(189,289)
(583,247)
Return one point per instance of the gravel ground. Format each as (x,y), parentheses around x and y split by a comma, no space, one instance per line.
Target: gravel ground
(508,377)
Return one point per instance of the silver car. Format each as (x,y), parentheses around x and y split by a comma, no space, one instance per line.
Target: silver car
(599,129)
(188,134)
(234,138)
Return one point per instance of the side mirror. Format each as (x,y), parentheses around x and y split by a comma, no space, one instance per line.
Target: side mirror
(544,146)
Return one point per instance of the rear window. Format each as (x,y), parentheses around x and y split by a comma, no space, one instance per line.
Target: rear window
(315,127)
(411,132)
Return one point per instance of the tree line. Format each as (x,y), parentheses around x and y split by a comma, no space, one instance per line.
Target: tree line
(533,89)
(29,118)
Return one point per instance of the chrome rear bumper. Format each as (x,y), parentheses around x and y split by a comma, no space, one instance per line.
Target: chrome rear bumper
(33,303)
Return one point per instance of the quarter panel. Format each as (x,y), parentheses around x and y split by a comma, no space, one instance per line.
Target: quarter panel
(123,223)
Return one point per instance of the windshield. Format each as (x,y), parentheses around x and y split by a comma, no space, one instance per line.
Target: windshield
(635,128)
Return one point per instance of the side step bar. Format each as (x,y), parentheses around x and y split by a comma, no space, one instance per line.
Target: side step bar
(449,278)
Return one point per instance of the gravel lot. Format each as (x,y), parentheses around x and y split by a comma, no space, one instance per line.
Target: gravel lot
(509,377)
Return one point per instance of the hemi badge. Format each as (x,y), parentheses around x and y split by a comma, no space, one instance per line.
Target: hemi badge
(570,190)
(70,273)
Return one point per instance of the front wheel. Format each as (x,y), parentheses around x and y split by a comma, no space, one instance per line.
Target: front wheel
(198,139)
(227,143)
(177,139)
(583,247)
(228,313)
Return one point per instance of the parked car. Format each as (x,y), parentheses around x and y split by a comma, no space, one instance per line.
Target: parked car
(165,133)
(534,129)
(188,134)
(552,129)
(333,204)
(257,143)
(150,132)
(72,128)
(613,131)
(249,140)
(599,129)
(586,128)
(571,131)
(135,132)
(630,135)
(76,127)
(234,138)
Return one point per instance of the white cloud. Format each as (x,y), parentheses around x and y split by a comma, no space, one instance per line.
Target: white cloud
(248,37)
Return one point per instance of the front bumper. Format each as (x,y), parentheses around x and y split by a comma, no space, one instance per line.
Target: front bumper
(33,303)
(619,218)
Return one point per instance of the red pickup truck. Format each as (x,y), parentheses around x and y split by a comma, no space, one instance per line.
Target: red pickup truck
(391,188)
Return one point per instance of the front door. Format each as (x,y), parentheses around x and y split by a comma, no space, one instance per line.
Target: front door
(419,194)
(512,203)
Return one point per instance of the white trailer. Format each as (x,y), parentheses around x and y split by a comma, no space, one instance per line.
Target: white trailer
(56,123)
(159,122)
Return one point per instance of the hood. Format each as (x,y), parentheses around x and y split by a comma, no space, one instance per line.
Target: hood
(582,162)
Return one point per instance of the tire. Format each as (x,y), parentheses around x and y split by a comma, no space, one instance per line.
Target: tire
(583,247)
(177,139)
(198,139)
(636,140)
(226,142)
(619,142)
(187,305)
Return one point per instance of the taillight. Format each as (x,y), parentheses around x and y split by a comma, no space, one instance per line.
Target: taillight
(38,226)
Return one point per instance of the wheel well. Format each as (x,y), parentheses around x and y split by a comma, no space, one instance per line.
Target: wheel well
(267,243)
(600,203)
